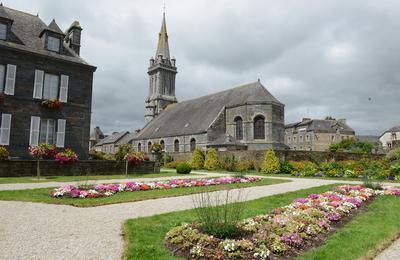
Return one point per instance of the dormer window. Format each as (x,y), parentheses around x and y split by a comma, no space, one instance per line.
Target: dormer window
(3,31)
(53,44)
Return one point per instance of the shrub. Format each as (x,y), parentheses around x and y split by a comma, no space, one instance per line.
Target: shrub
(183,168)
(96,155)
(286,168)
(4,154)
(332,169)
(393,155)
(173,164)
(245,165)
(304,168)
(156,148)
(167,158)
(68,156)
(198,159)
(395,169)
(122,151)
(229,163)
(219,214)
(271,163)
(211,162)
(352,145)
(134,158)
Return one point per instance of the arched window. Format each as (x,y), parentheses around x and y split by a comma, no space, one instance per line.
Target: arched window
(149,147)
(176,146)
(259,127)
(192,144)
(239,128)
(162,144)
(139,147)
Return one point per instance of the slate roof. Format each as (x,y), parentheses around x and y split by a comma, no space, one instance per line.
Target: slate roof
(113,138)
(26,29)
(126,139)
(196,115)
(322,126)
(368,138)
(162,46)
(53,27)
(394,129)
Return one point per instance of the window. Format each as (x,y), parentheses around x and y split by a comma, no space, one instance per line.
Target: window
(53,44)
(162,144)
(307,138)
(176,146)
(2,77)
(294,138)
(301,138)
(149,146)
(332,137)
(259,127)
(50,89)
(5,128)
(139,147)
(3,31)
(192,144)
(288,139)
(47,131)
(239,128)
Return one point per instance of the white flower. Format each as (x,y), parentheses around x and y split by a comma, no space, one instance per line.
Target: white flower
(197,251)
(262,254)
(229,245)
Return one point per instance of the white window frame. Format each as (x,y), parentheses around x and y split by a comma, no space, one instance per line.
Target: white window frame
(46,139)
(2,77)
(53,44)
(48,79)
(5,129)
(3,31)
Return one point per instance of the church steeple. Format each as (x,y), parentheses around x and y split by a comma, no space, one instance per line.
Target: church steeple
(162,72)
(162,47)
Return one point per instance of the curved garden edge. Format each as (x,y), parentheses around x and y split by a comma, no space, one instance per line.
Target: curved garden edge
(141,232)
(42,195)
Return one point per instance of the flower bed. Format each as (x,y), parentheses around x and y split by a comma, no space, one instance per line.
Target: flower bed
(103,190)
(284,232)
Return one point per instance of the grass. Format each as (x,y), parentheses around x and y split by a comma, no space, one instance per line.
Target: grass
(33,179)
(42,195)
(360,238)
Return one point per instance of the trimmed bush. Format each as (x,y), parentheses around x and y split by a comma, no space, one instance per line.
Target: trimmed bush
(286,168)
(173,164)
(183,168)
(198,159)
(245,165)
(271,163)
(229,163)
(211,162)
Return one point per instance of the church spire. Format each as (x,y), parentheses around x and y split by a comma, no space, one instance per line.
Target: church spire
(162,47)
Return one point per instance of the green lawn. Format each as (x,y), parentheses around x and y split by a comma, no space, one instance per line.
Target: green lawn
(42,195)
(144,237)
(4,180)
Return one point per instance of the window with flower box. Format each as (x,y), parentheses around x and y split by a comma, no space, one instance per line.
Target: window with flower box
(50,86)
(51,131)
(47,131)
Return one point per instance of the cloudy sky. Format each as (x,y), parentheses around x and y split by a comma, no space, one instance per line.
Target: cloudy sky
(338,58)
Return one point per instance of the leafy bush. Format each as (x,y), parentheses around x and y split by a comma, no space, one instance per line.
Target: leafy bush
(183,168)
(211,162)
(219,214)
(304,168)
(332,169)
(352,145)
(198,159)
(122,151)
(395,169)
(271,163)
(156,148)
(245,165)
(393,155)
(66,157)
(173,164)
(167,158)
(286,168)
(4,154)
(229,163)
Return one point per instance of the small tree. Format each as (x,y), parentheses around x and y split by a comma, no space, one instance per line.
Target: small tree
(211,162)
(271,163)
(38,152)
(198,159)
(122,151)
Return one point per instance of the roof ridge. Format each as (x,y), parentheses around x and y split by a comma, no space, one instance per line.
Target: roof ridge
(19,11)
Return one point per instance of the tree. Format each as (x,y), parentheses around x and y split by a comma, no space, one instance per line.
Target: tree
(211,162)
(122,151)
(198,158)
(271,163)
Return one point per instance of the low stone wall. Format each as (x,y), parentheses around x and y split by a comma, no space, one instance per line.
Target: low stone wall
(286,155)
(20,168)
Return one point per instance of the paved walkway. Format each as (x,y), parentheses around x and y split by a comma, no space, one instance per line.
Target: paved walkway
(45,231)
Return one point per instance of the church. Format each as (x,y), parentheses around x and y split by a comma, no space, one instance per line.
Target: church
(245,117)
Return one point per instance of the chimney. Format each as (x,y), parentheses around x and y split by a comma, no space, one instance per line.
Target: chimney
(73,37)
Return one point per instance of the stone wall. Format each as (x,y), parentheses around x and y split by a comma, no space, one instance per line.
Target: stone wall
(287,155)
(90,167)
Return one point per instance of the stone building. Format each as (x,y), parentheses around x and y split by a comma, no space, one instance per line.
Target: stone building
(40,62)
(243,117)
(111,143)
(390,138)
(316,134)
(95,137)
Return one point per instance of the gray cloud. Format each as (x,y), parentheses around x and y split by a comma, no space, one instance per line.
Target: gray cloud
(318,57)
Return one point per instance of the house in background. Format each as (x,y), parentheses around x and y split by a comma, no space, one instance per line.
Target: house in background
(111,143)
(373,139)
(317,134)
(390,138)
(40,62)
(95,137)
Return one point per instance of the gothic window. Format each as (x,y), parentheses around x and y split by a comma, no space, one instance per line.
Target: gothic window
(162,144)
(139,147)
(239,128)
(149,147)
(176,146)
(192,144)
(259,127)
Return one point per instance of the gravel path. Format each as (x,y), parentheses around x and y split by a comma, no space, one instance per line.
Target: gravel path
(390,253)
(45,231)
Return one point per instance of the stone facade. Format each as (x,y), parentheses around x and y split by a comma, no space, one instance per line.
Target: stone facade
(316,135)
(391,138)
(32,62)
